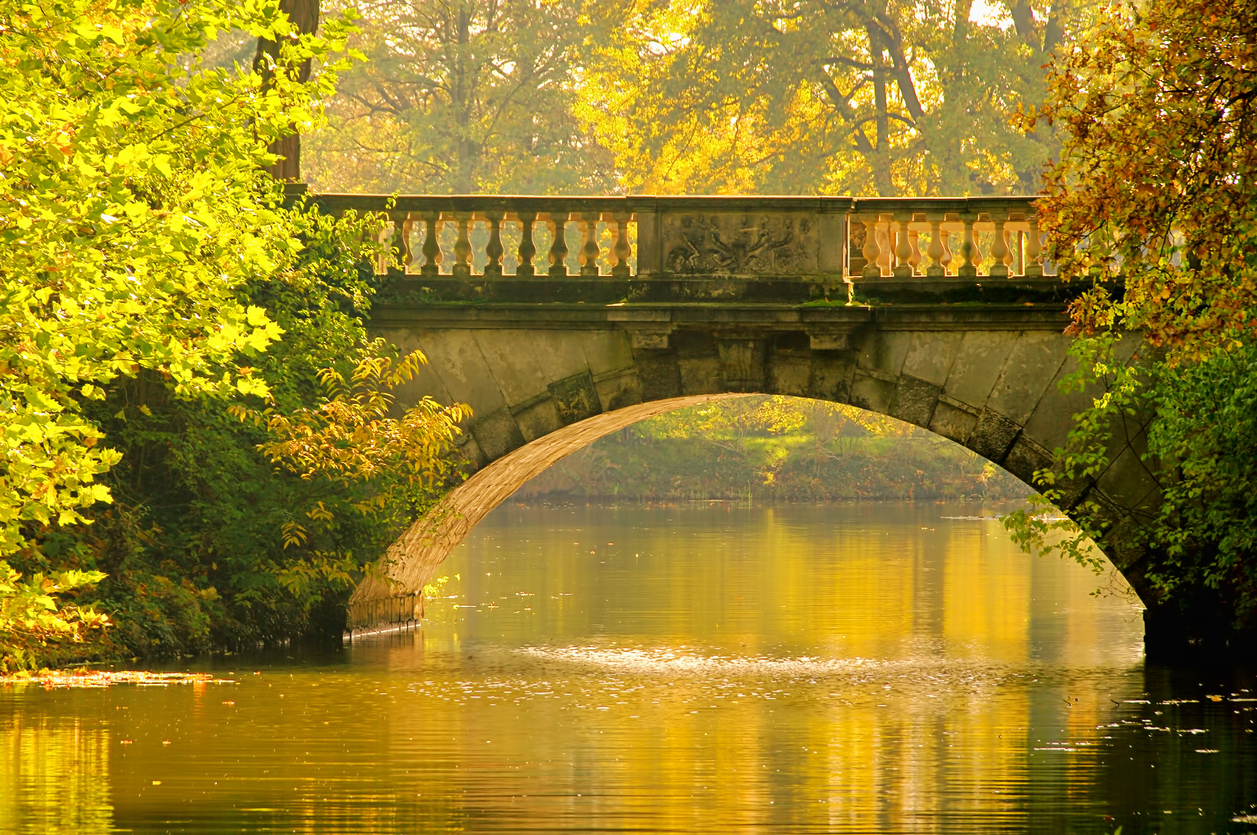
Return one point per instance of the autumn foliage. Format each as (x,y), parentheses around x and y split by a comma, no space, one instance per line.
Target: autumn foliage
(1156,108)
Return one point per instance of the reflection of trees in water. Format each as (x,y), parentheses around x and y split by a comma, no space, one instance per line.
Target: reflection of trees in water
(775,447)
(54,773)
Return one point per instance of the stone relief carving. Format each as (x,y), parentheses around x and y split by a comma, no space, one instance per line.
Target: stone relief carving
(739,244)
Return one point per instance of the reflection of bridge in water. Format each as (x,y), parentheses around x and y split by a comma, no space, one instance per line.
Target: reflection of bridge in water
(939,312)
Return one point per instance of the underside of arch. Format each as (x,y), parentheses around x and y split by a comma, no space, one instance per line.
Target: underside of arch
(391,593)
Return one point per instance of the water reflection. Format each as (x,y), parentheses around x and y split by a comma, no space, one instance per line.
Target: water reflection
(854,669)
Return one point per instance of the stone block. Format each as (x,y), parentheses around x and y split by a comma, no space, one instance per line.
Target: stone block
(426,382)
(606,351)
(914,400)
(540,418)
(575,398)
(659,374)
(993,436)
(619,391)
(497,434)
(883,351)
(471,457)
(512,357)
(930,355)
(1032,364)
(952,422)
(789,374)
(977,365)
(700,375)
(1025,459)
(1053,417)
(456,357)
(872,393)
(1128,483)
(559,353)
(742,365)
(831,377)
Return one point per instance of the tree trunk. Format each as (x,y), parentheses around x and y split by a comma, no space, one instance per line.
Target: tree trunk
(305,16)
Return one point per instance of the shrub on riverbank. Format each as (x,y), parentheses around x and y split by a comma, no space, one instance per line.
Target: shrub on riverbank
(196,441)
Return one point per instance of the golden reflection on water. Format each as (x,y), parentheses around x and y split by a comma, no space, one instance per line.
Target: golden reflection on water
(853,669)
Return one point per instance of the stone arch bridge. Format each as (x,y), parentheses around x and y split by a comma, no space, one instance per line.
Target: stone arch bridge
(939,312)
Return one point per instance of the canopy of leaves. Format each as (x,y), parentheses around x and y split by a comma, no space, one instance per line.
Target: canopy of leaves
(816,96)
(1157,109)
(149,271)
(459,97)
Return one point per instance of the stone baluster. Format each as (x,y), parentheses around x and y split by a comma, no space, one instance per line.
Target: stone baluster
(968,249)
(527,249)
(914,241)
(870,252)
(589,248)
(903,249)
(462,246)
(383,243)
(558,245)
(432,257)
(1034,265)
(621,250)
(936,250)
(886,242)
(948,257)
(402,228)
(999,248)
(494,250)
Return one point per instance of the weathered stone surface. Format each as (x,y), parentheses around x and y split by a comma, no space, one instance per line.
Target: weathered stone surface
(740,244)
(742,365)
(952,422)
(606,351)
(931,354)
(512,359)
(456,357)
(871,393)
(993,436)
(1127,481)
(1031,366)
(659,374)
(789,373)
(427,382)
(832,375)
(558,353)
(538,419)
(1026,458)
(497,434)
(914,400)
(883,351)
(1053,416)
(977,365)
(619,391)
(575,398)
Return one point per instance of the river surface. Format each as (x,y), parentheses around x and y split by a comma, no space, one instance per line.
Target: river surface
(865,668)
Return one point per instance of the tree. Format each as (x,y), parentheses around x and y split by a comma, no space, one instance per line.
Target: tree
(149,272)
(463,96)
(1153,201)
(303,15)
(808,96)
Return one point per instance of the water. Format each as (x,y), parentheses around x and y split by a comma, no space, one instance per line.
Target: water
(873,668)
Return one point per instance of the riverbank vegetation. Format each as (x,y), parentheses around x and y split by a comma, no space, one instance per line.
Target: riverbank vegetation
(764,448)
(1154,194)
(196,446)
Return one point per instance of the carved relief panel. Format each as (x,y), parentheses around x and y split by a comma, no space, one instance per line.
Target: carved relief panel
(740,244)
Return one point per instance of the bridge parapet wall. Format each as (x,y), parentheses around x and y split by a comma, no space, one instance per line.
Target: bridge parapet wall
(711,248)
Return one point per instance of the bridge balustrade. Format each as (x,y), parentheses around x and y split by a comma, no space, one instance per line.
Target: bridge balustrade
(622,238)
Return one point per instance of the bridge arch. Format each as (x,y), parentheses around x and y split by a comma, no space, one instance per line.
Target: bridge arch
(542,386)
